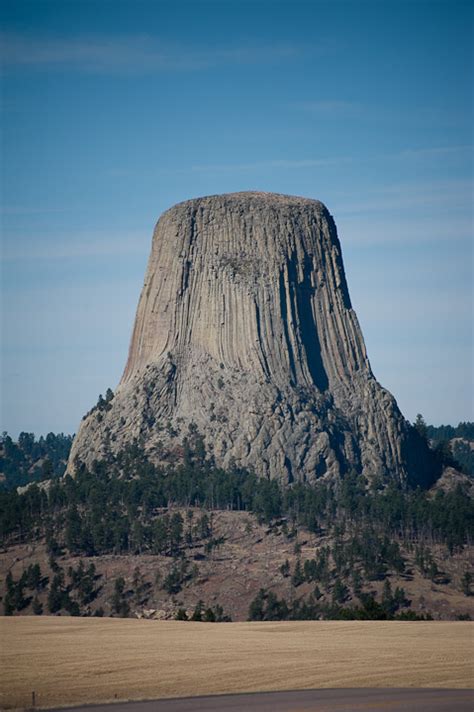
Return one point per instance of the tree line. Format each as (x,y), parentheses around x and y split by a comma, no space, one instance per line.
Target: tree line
(30,460)
(121,506)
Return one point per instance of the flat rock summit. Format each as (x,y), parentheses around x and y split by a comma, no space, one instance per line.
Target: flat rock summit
(245,334)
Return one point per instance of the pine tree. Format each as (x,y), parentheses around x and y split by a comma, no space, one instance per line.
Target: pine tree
(421,427)
(56,593)
(466,582)
(387,598)
(339,592)
(8,604)
(176,533)
(197,613)
(317,593)
(256,608)
(298,574)
(33,577)
(37,606)
(73,530)
(120,605)
(209,616)
(356,583)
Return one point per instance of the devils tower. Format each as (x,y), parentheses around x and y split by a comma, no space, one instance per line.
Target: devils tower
(245,333)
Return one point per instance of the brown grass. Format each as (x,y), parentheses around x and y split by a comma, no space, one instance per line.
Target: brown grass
(77,660)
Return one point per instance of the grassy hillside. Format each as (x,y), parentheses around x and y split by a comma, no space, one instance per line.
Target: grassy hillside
(228,558)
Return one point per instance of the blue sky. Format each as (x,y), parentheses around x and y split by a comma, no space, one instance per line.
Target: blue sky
(113,111)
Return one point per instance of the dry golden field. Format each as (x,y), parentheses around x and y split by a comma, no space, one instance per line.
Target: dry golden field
(78,660)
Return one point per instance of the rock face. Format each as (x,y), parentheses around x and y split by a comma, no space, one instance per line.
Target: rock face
(245,333)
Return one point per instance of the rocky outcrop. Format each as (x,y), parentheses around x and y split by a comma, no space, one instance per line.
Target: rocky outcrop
(245,333)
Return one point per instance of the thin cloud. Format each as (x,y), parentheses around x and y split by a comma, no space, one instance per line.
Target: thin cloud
(404,154)
(407,213)
(137,53)
(434,151)
(366,231)
(438,196)
(329,108)
(27,210)
(263,165)
(407,310)
(76,245)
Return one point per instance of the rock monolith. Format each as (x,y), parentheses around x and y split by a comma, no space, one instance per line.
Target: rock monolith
(245,334)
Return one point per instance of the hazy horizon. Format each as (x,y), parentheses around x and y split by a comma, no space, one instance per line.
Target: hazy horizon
(113,112)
